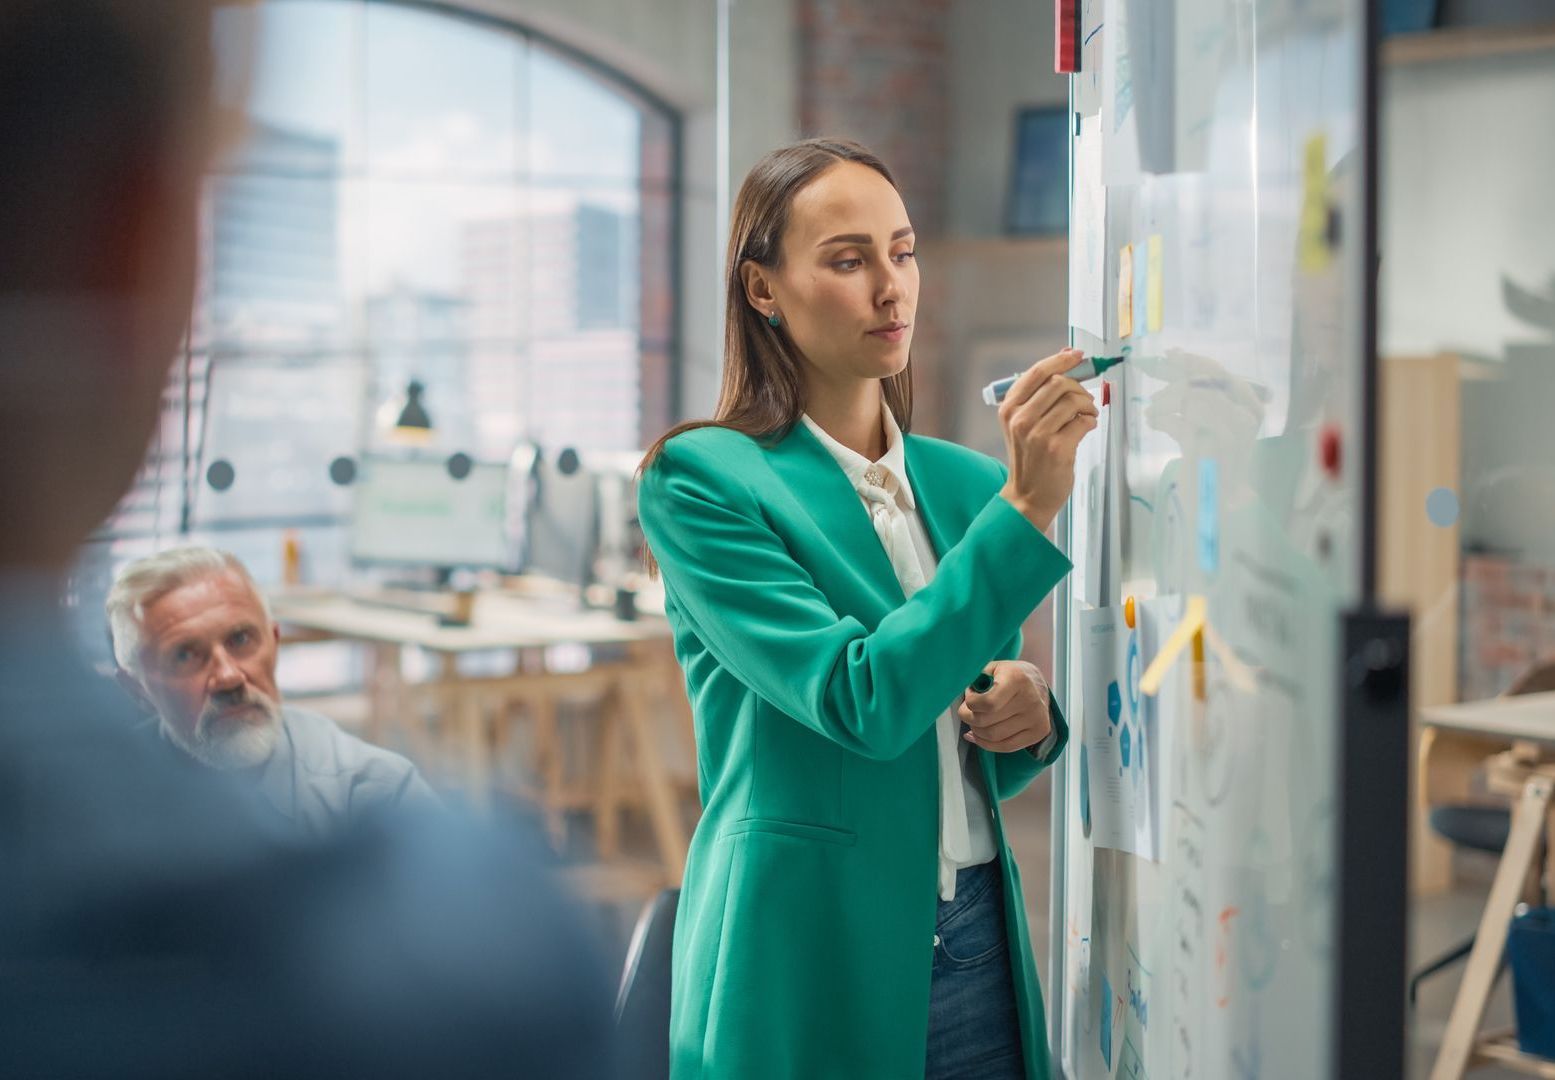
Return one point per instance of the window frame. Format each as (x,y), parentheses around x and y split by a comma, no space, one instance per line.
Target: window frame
(176,472)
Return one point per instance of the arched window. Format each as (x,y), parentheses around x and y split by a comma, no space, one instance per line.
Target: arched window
(422,196)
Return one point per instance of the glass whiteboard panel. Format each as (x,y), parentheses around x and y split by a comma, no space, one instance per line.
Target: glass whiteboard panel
(1217,240)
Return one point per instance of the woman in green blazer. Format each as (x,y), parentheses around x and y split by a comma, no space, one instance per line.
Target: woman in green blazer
(850,908)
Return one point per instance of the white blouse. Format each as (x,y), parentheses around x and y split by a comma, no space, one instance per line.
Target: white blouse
(966,834)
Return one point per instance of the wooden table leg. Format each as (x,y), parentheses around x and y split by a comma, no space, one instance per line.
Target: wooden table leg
(462,707)
(607,794)
(385,692)
(472,738)
(550,766)
(663,807)
(668,682)
(1548,868)
(1517,860)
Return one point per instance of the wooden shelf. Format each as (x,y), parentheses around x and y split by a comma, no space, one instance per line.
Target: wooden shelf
(1467,43)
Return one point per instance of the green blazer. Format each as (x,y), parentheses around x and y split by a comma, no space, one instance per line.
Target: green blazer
(804,937)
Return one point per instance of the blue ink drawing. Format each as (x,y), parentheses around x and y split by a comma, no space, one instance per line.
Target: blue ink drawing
(1138,1004)
(1114,702)
(1130,1065)
(1209,515)
(1085,792)
(1124,743)
(1106,1021)
(1132,673)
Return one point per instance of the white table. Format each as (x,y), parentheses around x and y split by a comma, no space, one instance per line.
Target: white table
(1528,775)
(1526,717)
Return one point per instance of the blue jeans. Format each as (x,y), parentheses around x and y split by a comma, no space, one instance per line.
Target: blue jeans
(974,1027)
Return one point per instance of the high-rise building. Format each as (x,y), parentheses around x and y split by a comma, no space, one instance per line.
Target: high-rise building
(553,298)
(608,270)
(271,273)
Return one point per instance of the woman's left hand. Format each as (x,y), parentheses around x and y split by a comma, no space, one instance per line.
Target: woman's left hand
(1013,713)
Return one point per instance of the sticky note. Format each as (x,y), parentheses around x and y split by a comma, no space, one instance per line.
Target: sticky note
(1155,286)
(1313,251)
(1126,291)
(1188,633)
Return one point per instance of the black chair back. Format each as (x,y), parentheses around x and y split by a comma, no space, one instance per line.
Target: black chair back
(643,1002)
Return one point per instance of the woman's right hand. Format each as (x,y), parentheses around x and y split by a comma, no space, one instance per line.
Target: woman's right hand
(1044,417)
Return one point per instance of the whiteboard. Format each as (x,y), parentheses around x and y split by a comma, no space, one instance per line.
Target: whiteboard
(1219,172)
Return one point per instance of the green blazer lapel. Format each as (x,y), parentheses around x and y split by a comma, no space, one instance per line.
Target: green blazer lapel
(941,521)
(822,490)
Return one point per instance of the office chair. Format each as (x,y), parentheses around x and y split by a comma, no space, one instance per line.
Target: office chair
(643,1001)
(1482,828)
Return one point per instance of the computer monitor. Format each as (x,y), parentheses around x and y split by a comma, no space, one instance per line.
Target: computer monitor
(620,533)
(415,512)
(561,525)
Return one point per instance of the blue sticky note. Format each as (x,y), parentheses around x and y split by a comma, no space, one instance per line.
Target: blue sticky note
(1209,515)
(1106,1021)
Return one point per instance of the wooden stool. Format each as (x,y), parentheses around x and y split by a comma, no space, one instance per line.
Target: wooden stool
(1463,1047)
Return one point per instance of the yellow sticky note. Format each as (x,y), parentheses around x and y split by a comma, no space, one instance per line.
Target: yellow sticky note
(1187,636)
(1313,248)
(1155,288)
(1126,291)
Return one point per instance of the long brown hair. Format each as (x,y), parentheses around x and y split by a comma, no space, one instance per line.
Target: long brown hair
(761,392)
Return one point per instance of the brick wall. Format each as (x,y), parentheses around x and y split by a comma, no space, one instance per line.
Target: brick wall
(1508,622)
(878,71)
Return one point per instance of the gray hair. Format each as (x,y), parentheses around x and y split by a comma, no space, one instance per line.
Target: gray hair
(147,580)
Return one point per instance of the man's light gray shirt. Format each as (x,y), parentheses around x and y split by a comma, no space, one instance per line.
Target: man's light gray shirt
(324,779)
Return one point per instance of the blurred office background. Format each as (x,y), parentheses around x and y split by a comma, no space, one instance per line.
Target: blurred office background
(462,264)
(467,259)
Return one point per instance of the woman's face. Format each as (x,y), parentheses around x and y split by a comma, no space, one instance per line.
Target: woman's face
(847,287)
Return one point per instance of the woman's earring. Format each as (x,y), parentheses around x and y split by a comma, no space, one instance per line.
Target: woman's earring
(773,320)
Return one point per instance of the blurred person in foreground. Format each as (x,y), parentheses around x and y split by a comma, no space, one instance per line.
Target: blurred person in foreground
(156,921)
(197,647)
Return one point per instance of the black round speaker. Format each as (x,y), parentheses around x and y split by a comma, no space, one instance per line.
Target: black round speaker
(220,475)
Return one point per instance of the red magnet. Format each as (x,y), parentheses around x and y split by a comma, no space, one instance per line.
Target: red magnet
(1106,393)
(1331,449)
(1066,36)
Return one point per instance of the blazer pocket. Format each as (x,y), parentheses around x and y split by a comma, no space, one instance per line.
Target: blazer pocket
(791,829)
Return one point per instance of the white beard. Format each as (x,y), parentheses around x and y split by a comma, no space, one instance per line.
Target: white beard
(242,746)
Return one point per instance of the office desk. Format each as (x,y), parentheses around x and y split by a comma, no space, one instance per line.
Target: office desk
(1528,774)
(1525,718)
(509,620)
